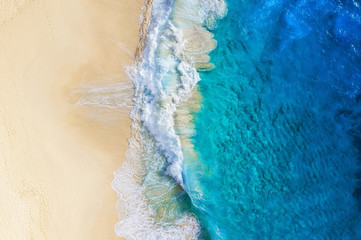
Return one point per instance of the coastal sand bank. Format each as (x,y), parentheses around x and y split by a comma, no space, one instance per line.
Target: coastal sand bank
(56,158)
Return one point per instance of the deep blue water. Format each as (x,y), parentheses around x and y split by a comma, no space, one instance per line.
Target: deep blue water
(279,132)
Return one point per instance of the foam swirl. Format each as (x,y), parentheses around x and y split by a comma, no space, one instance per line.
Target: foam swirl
(176,45)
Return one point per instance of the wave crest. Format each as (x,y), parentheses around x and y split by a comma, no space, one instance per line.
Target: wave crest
(149,197)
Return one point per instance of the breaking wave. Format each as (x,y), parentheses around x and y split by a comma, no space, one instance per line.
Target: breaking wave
(152,201)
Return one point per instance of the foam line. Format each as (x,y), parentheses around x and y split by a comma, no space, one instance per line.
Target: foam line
(164,76)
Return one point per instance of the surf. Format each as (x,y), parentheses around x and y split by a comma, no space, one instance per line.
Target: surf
(152,198)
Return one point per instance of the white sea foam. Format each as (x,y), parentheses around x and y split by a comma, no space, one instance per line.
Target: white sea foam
(165,75)
(135,214)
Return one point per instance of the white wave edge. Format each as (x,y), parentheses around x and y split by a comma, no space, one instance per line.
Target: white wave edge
(164,77)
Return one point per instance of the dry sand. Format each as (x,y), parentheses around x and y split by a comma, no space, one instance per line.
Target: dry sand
(57,159)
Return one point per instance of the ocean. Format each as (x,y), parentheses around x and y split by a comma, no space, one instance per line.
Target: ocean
(246,123)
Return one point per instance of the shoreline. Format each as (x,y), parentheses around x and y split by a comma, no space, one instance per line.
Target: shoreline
(57,159)
(165,76)
(145,21)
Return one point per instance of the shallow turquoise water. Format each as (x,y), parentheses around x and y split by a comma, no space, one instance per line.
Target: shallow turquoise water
(279,132)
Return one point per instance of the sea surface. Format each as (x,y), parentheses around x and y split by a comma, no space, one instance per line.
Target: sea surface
(246,124)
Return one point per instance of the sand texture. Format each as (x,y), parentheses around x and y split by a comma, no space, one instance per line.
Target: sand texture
(59,141)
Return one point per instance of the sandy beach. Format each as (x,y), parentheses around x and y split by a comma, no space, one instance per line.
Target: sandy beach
(56,157)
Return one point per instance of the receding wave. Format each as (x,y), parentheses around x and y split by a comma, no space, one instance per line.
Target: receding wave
(152,203)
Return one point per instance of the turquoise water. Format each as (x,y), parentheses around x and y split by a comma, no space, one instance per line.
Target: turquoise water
(278,135)
(265,145)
